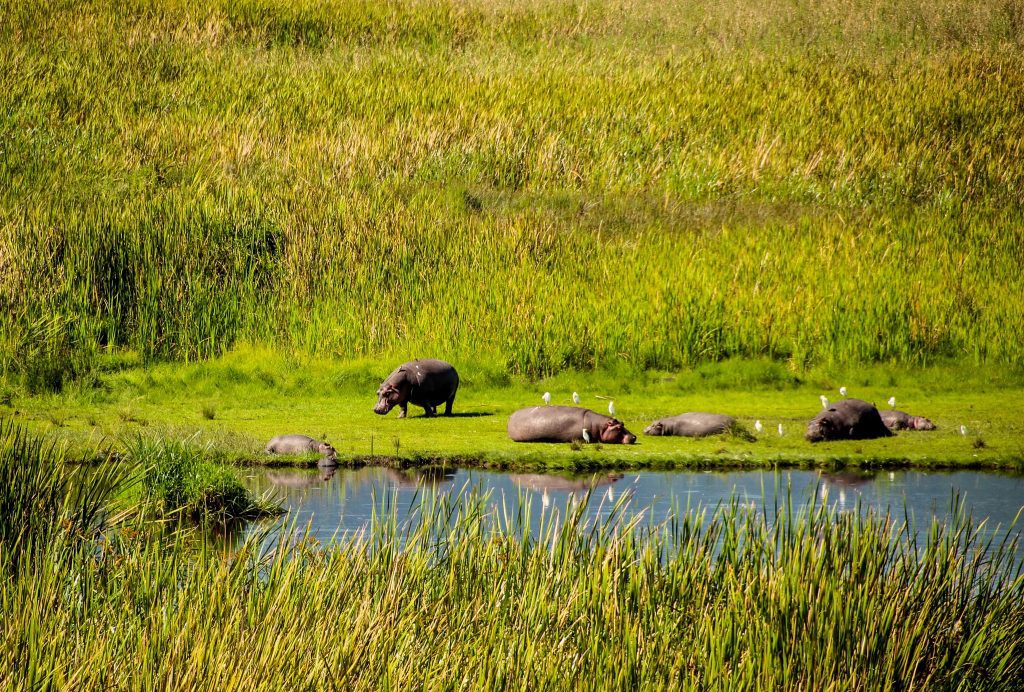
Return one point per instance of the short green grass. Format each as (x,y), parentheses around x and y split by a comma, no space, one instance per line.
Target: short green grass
(258,394)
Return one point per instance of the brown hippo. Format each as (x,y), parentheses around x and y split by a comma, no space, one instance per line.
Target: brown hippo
(847,419)
(299,444)
(898,420)
(543,481)
(691,425)
(426,383)
(566,424)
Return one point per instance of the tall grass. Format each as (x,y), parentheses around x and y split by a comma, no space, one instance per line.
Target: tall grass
(550,184)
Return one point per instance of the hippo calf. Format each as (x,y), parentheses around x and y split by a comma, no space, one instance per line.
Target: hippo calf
(847,419)
(691,425)
(426,383)
(302,444)
(898,420)
(566,424)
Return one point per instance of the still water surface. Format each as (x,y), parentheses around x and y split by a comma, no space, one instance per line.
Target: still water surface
(337,503)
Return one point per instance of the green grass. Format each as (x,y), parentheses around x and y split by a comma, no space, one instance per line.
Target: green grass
(258,395)
(551,186)
(459,596)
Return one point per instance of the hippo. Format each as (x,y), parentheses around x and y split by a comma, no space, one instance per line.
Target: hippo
(847,419)
(300,444)
(301,480)
(566,424)
(430,476)
(543,481)
(691,425)
(898,420)
(426,383)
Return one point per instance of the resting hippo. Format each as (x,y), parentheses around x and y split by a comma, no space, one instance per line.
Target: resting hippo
(847,419)
(427,383)
(566,424)
(299,444)
(898,420)
(691,425)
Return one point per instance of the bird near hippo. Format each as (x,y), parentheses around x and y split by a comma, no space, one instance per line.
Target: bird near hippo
(566,424)
(848,419)
(691,425)
(426,383)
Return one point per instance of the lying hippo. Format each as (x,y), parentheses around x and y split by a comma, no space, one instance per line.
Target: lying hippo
(847,419)
(691,425)
(566,424)
(426,383)
(303,444)
(898,420)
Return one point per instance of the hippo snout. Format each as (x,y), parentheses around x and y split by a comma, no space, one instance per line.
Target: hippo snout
(814,433)
(629,439)
(382,407)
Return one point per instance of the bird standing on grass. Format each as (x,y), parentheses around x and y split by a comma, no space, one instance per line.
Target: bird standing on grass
(963,430)
(842,391)
(824,401)
(546,398)
(892,402)
(576,398)
(780,429)
(611,408)
(758,427)
(586,436)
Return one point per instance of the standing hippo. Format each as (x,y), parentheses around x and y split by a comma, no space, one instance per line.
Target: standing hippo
(566,424)
(847,419)
(427,383)
(898,420)
(299,444)
(691,425)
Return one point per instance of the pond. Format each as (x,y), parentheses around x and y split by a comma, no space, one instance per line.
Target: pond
(335,503)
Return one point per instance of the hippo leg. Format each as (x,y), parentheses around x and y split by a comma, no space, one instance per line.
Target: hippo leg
(429,411)
(448,405)
(404,412)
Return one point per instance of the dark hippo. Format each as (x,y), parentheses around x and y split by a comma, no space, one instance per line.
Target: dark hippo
(691,425)
(299,444)
(427,383)
(543,481)
(566,424)
(847,419)
(898,420)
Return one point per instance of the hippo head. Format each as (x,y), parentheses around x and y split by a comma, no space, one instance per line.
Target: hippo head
(657,428)
(823,427)
(921,423)
(614,432)
(325,449)
(389,396)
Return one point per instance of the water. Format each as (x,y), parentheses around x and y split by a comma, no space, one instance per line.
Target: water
(337,503)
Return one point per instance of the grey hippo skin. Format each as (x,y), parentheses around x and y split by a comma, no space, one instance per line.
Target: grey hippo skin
(303,444)
(898,420)
(691,425)
(566,424)
(847,419)
(426,383)
(543,481)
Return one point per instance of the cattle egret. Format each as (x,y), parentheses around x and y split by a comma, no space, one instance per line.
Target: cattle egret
(892,401)
(545,499)
(963,430)
(780,429)
(824,401)
(758,427)
(842,391)
(546,398)
(575,398)
(586,435)
(611,408)
(610,495)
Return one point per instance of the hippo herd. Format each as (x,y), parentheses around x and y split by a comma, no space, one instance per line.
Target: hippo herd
(429,383)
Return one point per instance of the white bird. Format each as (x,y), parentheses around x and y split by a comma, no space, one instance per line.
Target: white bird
(575,398)
(963,430)
(892,401)
(545,499)
(546,398)
(842,391)
(780,429)
(611,408)
(586,435)
(824,401)
(610,495)
(758,427)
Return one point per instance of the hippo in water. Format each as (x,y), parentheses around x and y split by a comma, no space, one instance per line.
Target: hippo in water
(299,444)
(566,424)
(691,425)
(543,481)
(427,383)
(847,419)
(898,420)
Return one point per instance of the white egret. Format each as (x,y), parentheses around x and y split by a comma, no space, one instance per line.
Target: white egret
(842,391)
(586,436)
(546,398)
(576,398)
(892,401)
(611,408)
(610,495)
(545,499)
(963,430)
(780,429)
(758,427)
(824,401)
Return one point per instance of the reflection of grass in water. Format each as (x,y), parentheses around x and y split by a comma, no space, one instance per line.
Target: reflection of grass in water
(462,592)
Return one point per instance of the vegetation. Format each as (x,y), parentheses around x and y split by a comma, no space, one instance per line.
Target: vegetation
(546,185)
(461,596)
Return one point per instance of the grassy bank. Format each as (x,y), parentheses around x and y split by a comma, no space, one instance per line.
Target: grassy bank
(462,598)
(233,405)
(554,186)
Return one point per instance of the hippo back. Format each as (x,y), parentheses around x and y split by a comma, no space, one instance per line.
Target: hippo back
(691,425)
(547,424)
(847,419)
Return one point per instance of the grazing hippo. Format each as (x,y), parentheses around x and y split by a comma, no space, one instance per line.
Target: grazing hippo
(847,419)
(691,425)
(566,424)
(542,481)
(299,444)
(427,383)
(898,420)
